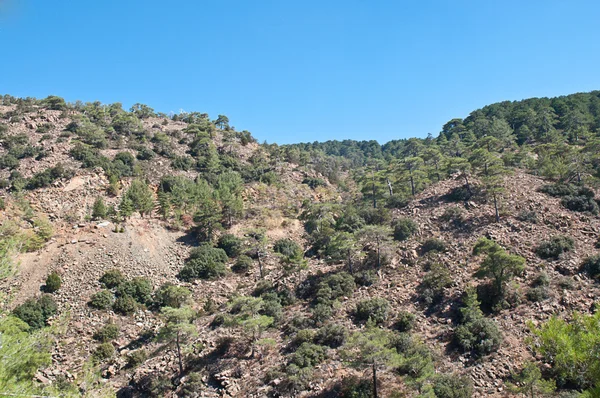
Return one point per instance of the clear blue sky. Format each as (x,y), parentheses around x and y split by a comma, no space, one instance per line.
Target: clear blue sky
(291,71)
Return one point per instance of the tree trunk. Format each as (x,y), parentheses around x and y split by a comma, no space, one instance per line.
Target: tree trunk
(496,208)
(412,185)
(378,255)
(374,381)
(260,266)
(468,185)
(374,197)
(390,187)
(179,354)
(350,268)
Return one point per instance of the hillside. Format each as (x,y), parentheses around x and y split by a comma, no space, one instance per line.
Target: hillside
(195,262)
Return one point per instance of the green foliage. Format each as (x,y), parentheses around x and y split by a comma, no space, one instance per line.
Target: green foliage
(47,177)
(570,347)
(452,386)
(476,333)
(99,209)
(580,203)
(125,305)
(103,352)
(433,244)
(169,295)
(22,353)
(529,381)
(314,182)
(434,282)
(288,248)
(556,246)
(242,264)
(53,282)
(138,288)
(308,355)
(332,335)
(405,321)
(112,278)
(35,312)
(106,333)
(136,358)
(404,228)
(102,300)
(204,262)
(375,310)
(231,244)
(140,196)
(591,266)
(353,387)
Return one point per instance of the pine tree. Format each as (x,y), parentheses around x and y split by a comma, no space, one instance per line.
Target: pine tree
(99,209)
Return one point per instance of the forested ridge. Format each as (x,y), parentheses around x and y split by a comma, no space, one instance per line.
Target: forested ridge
(146,254)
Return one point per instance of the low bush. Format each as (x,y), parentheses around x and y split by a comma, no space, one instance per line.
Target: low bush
(536,294)
(169,295)
(453,215)
(365,278)
(528,216)
(591,266)
(136,358)
(404,228)
(138,288)
(112,278)
(331,335)
(108,332)
(103,352)
(433,245)
(303,336)
(314,182)
(125,305)
(242,264)
(580,203)
(36,311)
(434,282)
(308,355)
(375,310)
(476,334)
(231,244)
(405,321)
(321,313)
(452,386)
(53,282)
(102,300)
(204,262)
(556,246)
(288,248)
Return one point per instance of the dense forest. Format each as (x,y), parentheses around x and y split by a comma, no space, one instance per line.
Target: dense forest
(451,266)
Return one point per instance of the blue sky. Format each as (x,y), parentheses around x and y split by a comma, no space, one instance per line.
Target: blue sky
(291,71)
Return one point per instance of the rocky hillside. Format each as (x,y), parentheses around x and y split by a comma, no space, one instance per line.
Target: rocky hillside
(194,262)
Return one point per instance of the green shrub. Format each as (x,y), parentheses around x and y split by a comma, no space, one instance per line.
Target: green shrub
(204,262)
(570,349)
(476,333)
(452,386)
(53,282)
(556,246)
(430,245)
(559,189)
(375,216)
(308,355)
(108,332)
(35,312)
(405,321)
(434,282)
(321,313)
(397,202)
(453,215)
(102,300)
(536,294)
(125,305)
(365,278)
(136,358)
(353,387)
(272,306)
(303,336)
(138,288)
(169,295)
(404,228)
(460,194)
(112,279)
(331,335)
(231,244)
(99,209)
(103,351)
(314,182)
(528,216)
(591,266)
(375,310)
(580,204)
(288,248)
(242,264)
